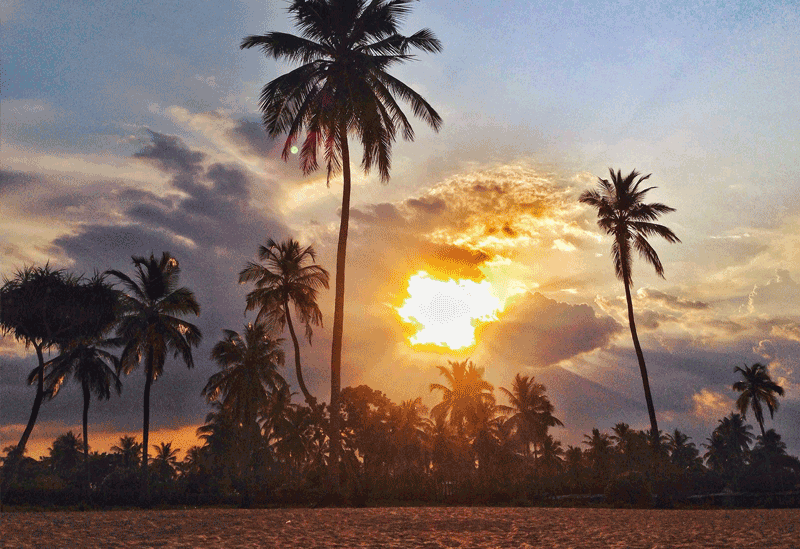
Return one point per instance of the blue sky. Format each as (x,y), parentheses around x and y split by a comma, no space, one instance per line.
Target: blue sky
(537,99)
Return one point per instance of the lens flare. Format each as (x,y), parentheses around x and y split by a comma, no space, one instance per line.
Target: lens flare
(446,313)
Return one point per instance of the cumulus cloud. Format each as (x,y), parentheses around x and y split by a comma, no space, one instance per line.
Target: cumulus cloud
(774,296)
(710,404)
(671,301)
(543,331)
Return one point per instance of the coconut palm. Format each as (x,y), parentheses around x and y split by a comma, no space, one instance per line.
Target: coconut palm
(96,371)
(248,375)
(757,387)
(149,327)
(683,454)
(165,460)
(622,214)
(283,278)
(531,411)
(65,454)
(466,399)
(599,451)
(343,88)
(45,308)
(129,450)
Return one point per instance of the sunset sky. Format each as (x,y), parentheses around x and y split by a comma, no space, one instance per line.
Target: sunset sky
(131,127)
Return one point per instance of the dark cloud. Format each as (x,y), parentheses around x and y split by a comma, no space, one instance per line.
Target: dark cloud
(671,301)
(545,331)
(170,154)
(252,137)
(426,204)
(13,180)
(229,181)
(384,214)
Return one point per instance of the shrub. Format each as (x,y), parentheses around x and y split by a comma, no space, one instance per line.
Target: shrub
(630,488)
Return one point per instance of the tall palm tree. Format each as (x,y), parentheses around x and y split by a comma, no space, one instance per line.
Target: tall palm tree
(343,88)
(531,411)
(622,214)
(96,371)
(467,397)
(757,387)
(286,277)
(149,327)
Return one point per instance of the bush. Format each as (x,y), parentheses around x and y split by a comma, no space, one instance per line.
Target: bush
(121,487)
(629,488)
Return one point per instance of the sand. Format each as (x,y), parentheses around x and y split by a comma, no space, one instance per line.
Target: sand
(431,527)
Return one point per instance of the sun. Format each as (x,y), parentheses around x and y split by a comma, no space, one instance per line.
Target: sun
(446,313)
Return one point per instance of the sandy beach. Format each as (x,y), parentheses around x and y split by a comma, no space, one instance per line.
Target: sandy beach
(432,527)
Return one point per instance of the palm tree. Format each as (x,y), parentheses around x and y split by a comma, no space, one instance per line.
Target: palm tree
(249,374)
(343,87)
(683,454)
(467,397)
(165,460)
(129,450)
(598,451)
(551,459)
(532,411)
(96,371)
(149,327)
(65,455)
(283,278)
(757,387)
(47,308)
(623,215)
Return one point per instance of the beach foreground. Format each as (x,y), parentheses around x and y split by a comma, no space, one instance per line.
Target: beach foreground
(406,527)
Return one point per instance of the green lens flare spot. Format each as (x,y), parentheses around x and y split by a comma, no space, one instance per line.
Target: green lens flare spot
(294,149)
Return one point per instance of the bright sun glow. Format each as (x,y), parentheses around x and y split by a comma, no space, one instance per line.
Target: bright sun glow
(447,312)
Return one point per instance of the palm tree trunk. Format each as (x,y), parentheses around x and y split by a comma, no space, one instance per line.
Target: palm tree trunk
(9,476)
(148,382)
(338,313)
(86,398)
(642,368)
(312,402)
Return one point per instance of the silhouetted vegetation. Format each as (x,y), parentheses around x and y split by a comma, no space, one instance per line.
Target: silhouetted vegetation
(343,88)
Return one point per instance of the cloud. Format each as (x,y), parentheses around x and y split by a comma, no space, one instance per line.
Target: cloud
(710,404)
(671,301)
(170,154)
(545,331)
(774,295)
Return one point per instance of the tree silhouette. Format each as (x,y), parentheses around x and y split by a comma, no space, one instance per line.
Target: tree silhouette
(531,411)
(129,450)
(249,374)
(165,460)
(466,398)
(149,327)
(342,87)
(45,308)
(96,371)
(283,278)
(622,214)
(757,387)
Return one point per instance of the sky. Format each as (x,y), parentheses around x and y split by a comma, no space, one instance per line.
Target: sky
(131,128)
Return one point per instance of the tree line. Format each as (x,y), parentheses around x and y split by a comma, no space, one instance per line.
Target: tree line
(258,446)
